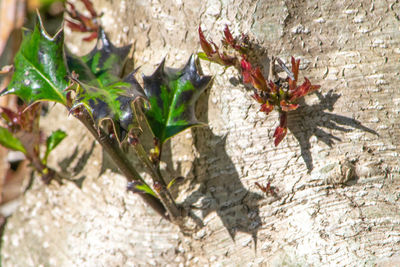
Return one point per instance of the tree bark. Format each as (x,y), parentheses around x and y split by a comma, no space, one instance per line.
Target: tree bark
(336,172)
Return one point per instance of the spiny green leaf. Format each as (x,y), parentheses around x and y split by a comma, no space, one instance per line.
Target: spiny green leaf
(103,65)
(9,141)
(52,142)
(102,91)
(40,69)
(172,95)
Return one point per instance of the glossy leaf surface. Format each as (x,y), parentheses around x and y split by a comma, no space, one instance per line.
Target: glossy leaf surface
(172,96)
(102,91)
(40,69)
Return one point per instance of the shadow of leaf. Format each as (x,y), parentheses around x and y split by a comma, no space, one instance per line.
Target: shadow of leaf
(219,188)
(80,158)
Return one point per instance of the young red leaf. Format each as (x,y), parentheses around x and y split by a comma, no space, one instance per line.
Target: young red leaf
(280,133)
(205,45)
(258,80)
(295,68)
(258,98)
(9,115)
(76,27)
(228,37)
(224,59)
(301,91)
(83,23)
(91,37)
(246,71)
(281,130)
(266,107)
(314,87)
(288,106)
(273,87)
(212,52)
(268,189)
(89,6)
(72,10)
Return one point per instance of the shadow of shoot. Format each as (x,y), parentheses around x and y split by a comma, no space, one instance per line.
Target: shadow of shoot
(309,120)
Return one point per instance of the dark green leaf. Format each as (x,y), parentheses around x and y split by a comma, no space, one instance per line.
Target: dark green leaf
(52,142)
(103,65)
(9,141)
(40,69)
(102,92)
(172,95)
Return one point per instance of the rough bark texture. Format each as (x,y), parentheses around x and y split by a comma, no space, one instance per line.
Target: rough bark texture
(321,214)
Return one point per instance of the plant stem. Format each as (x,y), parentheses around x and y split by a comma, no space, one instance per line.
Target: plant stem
(164,194)
(120,160)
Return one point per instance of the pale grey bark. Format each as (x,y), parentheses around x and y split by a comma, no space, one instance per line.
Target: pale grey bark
(321,216)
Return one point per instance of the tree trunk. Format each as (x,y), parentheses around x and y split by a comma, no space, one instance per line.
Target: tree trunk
(336,172)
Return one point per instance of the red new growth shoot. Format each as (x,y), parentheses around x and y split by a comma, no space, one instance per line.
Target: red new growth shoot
(258,80)
(288,107)
(246,71)
(22,119)
(282,94)
(281,130)
(228,37)
(266,107)
(205,45)
(212,52)
(82,23)
(268,189)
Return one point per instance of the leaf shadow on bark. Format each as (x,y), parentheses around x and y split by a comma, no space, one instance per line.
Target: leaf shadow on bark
(75,163)
(218,185)
(309,120)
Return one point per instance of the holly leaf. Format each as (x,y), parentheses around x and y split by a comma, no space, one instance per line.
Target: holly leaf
(101,66)
(172,95)
(52,142)
(9,141)
(102,92)
(40,69)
